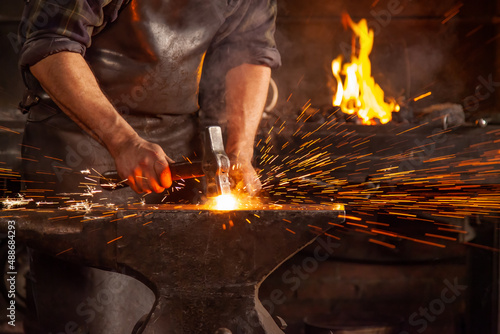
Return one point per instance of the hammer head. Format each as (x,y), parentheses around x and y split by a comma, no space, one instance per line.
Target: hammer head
(215,162)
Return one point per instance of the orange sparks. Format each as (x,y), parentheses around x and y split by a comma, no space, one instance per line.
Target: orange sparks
(45,173)
(8,130)
(385,244)
(114,239)
(125,217)
(423,242)
(27,159)
(351,217)
(364,231)
(452,230)
(64,251)
(384,232)
(481,246)
(416,127)
(420,97)
(375,223)
(402,214)
(48,157)
(29,146)
(60,217)
(359,225)
(440,236)
(332,236)
(452,12)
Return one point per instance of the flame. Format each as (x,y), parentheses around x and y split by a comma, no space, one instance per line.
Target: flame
(359,94)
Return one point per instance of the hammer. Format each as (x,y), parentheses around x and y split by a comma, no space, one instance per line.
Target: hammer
(214,166)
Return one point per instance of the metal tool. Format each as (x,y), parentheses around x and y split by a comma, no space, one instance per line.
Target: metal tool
(215,162)
(214,166)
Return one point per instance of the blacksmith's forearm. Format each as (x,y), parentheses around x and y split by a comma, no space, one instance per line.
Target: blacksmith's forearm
(69,81)
(246,89)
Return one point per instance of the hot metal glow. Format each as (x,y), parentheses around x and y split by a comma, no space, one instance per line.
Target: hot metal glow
(226,202)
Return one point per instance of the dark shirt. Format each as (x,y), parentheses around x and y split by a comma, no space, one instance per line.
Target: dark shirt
(149,55)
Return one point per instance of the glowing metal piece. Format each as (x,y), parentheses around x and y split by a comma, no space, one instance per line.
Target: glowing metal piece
(225,202)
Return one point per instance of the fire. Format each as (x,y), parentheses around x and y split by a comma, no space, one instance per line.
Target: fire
(359,94)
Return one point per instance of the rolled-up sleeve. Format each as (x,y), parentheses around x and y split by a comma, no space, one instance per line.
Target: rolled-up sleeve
(248,35)
(52,26)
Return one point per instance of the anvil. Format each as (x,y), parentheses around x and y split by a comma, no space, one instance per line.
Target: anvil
(205,267)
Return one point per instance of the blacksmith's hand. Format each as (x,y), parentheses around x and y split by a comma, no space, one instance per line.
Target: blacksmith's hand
(244,177)
(144,165)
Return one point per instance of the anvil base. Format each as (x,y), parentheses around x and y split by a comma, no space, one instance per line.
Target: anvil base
(205,267)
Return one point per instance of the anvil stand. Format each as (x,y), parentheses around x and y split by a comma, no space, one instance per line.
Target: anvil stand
(205,278)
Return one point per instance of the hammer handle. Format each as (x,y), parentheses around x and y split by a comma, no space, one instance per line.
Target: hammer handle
(183,170)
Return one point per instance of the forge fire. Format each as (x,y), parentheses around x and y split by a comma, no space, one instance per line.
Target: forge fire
(359,94)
